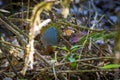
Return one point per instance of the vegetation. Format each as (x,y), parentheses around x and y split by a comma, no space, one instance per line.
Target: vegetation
(86,31)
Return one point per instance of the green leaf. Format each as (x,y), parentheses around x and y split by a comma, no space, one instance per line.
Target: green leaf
(97,35)
(82,39)
(111,66)
(55,46)
(75,47)
(71,58)
(64,48)
(73,64)
(110,35)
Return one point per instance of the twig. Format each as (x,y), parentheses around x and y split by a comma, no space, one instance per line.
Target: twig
(83,71)
(77,61)
(54,72)
(35,28)
(7,43)
(41,57)
(5,51)
(11,26)
(78,26)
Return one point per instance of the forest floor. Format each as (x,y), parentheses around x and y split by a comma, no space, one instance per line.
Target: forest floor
(85,50)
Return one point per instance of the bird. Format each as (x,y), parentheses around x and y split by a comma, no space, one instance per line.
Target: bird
(49,38)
